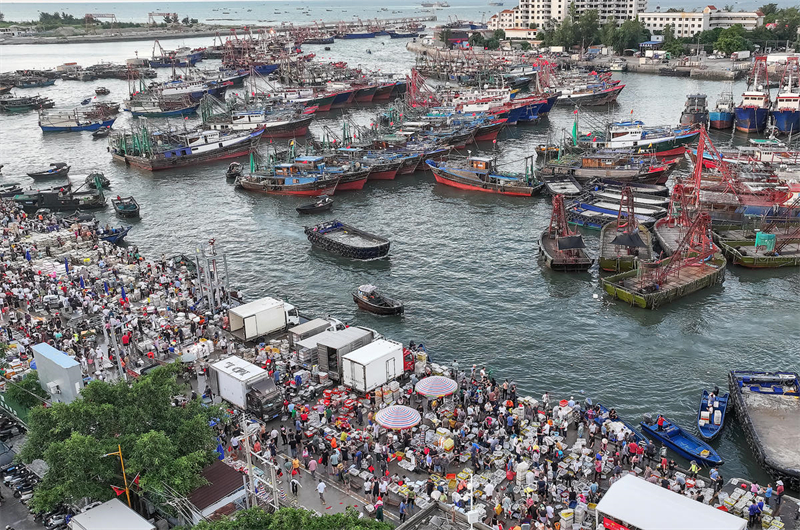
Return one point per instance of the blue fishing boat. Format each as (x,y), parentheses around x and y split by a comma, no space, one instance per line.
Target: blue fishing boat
(70,121)
(34,82)
(161,109)
(265,69)
(753,111)
(402,35)
(359,35)
(597,215)
(600,420)
(115,235)
(686,445)
(711,417)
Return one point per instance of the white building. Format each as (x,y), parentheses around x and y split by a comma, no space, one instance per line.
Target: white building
(538,12)
(685,24)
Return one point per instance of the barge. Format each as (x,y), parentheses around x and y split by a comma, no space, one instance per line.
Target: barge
(347,241)
(767,405)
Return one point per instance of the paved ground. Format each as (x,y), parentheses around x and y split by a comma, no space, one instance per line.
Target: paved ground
(15,514)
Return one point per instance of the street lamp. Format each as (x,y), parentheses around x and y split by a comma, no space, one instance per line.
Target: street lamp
(124,477)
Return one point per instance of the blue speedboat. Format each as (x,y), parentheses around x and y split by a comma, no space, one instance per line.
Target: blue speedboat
(710,427)
(115,235)
(600,420)
(686,445)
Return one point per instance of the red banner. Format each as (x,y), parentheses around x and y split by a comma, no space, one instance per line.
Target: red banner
(118,491)
(612,525)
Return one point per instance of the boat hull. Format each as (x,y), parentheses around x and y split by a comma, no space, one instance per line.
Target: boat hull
(711,431)
(302,190)
(343,99)
(720,120)
(353,182)
(378,310)
(386,174)
(383,93)
(442,176)
(787,121)
(365,95)
(318,236)
(89,127)
(751,119)
(187,111)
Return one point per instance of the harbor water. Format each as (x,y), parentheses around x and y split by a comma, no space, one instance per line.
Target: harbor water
(464,263)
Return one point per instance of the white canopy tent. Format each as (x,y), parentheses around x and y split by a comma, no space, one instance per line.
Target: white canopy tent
(634,502)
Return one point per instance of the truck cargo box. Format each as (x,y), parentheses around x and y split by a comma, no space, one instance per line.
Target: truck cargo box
(373,365)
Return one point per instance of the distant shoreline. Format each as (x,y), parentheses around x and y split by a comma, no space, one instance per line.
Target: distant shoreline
(143,35)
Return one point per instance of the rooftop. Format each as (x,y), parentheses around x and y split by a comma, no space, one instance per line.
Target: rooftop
(222,481)
(57,356)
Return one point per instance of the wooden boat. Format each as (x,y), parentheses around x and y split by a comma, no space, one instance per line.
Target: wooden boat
(347,241)
(102,132)
(565,185)
(234,171)
(683,443)
(56,169)
(637,187)
(600,420)
(561,249)
(770,247)
(10,189)
(543,149)
(71,121)
(102,91)
(711,418)
(115,235)
(125,207)
(369,299)
(768,404)
(323,204)
(480,175)
(595,214)
(96,179)
(61,199)
(695,111)
(308,184)
(639,199)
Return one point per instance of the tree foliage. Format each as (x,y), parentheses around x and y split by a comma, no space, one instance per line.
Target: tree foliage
(671,44)
(732,39)
(630,34)
(292,519)
(25,391)
(163,444)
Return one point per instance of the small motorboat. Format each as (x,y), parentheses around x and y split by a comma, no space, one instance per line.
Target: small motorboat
(544,149)
(711,416)
(126,207)
(611,415)
(102,132)
(234,171)
(10,189)
(97,179)
(683,443)
(57,169)
(323,204)
(369,299)
(86,101)
(78,217)
(102,91)
(115,235)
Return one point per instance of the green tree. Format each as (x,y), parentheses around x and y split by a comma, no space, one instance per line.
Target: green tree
(492,44)
(732,39)
(532,25)
(630,34)
(675,10)
(499,34)
(608,31)
(769,9)
(292,519)
(28,392)
(2,17)
(476,40)
(525,46)
(588,28)
(445,35)
(671,44)
(186,21)
(165,445)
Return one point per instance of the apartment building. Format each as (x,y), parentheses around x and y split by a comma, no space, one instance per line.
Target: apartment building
(540,11)
(688,24)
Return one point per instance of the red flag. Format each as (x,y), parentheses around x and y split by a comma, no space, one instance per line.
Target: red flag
(136,479)
(118,491)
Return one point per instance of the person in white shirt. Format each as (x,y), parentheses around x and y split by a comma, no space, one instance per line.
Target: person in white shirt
(321,490)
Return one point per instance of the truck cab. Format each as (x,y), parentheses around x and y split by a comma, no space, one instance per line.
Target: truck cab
(264,399)
(292,315)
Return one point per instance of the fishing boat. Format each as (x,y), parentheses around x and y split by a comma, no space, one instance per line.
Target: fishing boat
(606,416)
(125,207)
(9,189)
(14,104)
(723,114)
(327,39)
(662,141)
(624,243)
(769,247)
(480,174)
(102,132)
(347,241)
(615,165)
(640,188)
(402,34)
(162,108)
(102,91)
(695,111)
(767,405)
(683,443)
(590,95)
(71,121)
(323,204)
(487,132)
(752,112)
(594,213)
(95,179)
(288,179)
(786,109)
(711,416)
(156,151)
(368,298)
(56,169)
(561,249)
(557,184)
(114,235)
(695,264)
(234,171)
(61,199)
(286,124)
(674,72)
(34,82)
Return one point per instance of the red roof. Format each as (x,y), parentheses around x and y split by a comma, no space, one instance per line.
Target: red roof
(222,481)
(712,7)
(759,13)
(506,11)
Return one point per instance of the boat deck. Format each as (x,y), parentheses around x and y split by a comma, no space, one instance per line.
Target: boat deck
(610,251)
(775,421)
(670,237)
(351,239)
(687,276)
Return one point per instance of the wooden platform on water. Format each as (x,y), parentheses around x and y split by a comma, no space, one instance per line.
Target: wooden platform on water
(669,237)
(626,286)
(615,258)
(739,247)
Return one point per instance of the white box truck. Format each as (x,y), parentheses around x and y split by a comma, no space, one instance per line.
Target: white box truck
(246,386)
(332,346)
(313,327)
(261,317)
(373,365)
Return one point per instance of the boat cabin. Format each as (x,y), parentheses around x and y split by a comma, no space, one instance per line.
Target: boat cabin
(755,99)
(604,160)
(309,162)
(787,101)
(286,170)
(696,102)
(626,130)
(483,164)
(202,138)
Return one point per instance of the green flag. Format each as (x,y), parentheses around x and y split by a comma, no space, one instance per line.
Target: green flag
(575,130)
